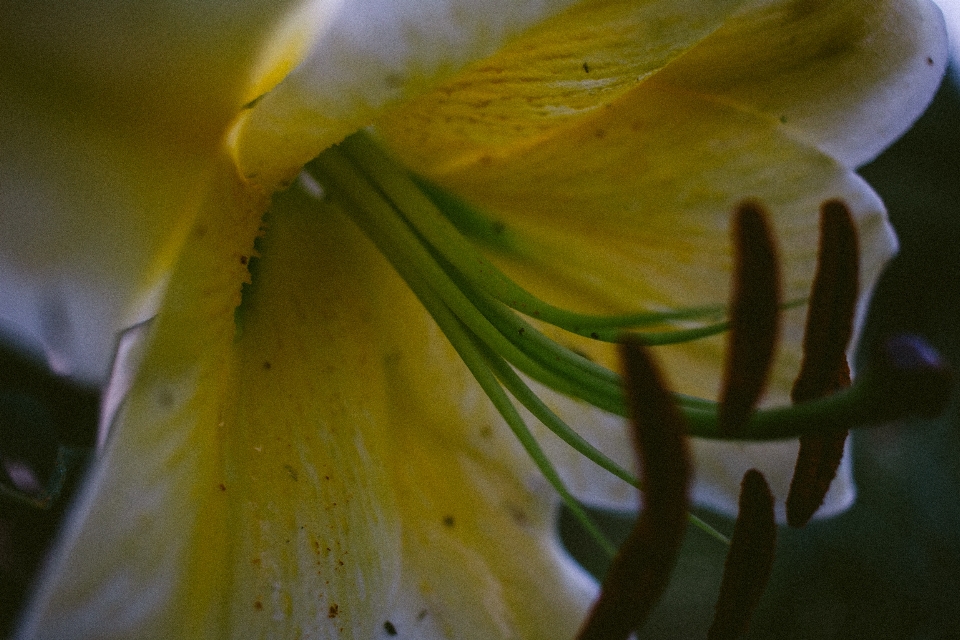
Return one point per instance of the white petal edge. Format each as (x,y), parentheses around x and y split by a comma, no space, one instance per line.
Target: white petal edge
(951,15)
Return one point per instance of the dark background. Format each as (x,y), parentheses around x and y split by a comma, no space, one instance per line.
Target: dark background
(889,568)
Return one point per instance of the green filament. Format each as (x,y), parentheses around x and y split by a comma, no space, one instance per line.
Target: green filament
(485,332)
(369,179)
(443,237)
(477,356)
(421,232)
(529,350)
(470,347)
(474,225)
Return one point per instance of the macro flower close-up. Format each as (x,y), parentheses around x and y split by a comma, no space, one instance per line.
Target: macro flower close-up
(351,275)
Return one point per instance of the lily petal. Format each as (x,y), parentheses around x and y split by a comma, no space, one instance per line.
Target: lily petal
(654,178)
(132,549)
(357,59)
(254,485)
(110,125)
(554,77)
(844,77)
(629,222)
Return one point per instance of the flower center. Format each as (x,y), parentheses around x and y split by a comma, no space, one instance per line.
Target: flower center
(430,238)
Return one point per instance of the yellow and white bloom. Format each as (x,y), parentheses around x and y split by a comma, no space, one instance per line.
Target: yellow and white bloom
(318,462)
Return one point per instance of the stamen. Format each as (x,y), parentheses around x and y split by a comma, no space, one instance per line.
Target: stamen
(824,369)
(473,337)
(754,317)
(749,561)
(833,300)
(817,462)
(640,572)
(443,237)
(476,306)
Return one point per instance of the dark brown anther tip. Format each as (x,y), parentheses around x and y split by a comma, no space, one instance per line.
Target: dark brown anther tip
(817,463)
(824,369)
(641,569)
(911,379)
(658,430)
(820,454)
(833,303)
(749,562)
(754,317)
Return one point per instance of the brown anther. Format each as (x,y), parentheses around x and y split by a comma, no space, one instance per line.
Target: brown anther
(817,463)
(754,317)
(641,569)
(824,370)
(749,561)
(833,303)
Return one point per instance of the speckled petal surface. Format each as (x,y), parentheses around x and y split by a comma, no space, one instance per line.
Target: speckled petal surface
(318,473)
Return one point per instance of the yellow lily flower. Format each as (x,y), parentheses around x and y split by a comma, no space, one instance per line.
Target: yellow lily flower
(301,452)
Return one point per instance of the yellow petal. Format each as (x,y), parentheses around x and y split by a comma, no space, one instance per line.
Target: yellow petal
(551,78)
(845,77)
(366,57)
(467,509)
(636,217)
(358,59)
(322,474)
(111,121)
(434,519)
(138,535)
